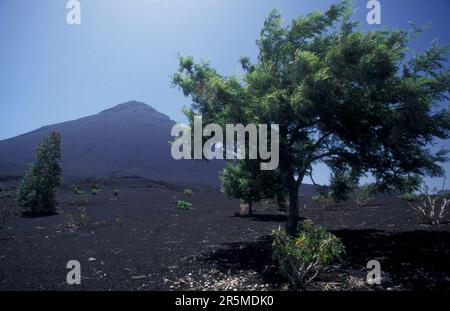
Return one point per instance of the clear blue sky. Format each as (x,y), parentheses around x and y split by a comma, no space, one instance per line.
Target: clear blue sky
(126,49)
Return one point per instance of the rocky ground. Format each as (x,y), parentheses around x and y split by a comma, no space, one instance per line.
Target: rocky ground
(132,236)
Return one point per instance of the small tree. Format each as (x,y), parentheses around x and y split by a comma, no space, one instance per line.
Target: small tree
(237,183)
(244,181)
(37,191)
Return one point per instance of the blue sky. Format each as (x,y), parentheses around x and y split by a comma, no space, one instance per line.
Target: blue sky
(127,49)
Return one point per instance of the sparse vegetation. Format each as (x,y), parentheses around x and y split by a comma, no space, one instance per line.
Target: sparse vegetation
(82,214)
(326,199)
(364,194)
(37,190)
(188,191)
(301,258)
(77,191)
(80,218)
(408,197)
(431,205)
(185,205)
(5,194)
(95,190)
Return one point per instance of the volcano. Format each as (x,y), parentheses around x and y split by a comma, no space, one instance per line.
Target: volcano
(130,139)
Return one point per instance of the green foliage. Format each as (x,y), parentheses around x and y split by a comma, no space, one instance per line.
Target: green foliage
(37,191)
(95,190)
(81,217)
(237,183)
(77,191)
(300,259)
(326,199)
(316,198)
(350,99)
(184,205)
(242,181)
(409,197)
(5,194)
(188,191)
(82,214)
(364,194)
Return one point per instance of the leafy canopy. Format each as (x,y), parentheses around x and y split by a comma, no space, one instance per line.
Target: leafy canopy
(350,99)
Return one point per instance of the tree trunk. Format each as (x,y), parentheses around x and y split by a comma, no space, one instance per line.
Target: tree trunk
(291,225)
(250,209)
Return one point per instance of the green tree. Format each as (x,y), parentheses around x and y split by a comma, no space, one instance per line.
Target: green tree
(245,181)
(37,191)
(239,182)
(350,99)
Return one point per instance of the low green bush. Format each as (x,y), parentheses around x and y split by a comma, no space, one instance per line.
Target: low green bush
(6,195)
(326,199)
(95,190)
(409,197)
(184,205)
(188,191)
(300,259)
(80,218)
(77,190)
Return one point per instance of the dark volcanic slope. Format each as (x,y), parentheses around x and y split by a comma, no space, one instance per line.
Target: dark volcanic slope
(128,139)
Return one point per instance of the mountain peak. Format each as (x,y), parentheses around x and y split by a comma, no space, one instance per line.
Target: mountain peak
(133,104)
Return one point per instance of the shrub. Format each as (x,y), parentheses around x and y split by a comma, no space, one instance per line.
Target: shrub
(188,191)
(80,218)
(95,190)
(82,214)
(316,198)
(5,195)
(326,199)
(431,205)
(409,197)
(365,194)
(77,191)
(184,205)
(116,192)
(37,191)
(301,258)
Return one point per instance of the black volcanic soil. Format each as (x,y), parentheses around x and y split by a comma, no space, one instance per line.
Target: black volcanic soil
(140,240)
